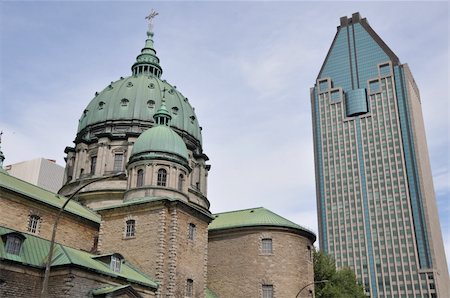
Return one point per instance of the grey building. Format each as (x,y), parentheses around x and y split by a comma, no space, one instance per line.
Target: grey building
(376,202)
(45,173)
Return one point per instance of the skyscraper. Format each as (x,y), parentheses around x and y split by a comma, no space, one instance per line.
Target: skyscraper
(375,196)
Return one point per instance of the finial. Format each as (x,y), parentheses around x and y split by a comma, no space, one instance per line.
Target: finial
(150,18)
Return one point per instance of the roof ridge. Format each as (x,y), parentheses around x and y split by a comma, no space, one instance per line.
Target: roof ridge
(37,186)
(240,210)
(56,195)
(65,253)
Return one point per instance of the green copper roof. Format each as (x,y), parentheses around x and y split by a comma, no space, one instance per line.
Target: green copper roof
(147,62)
(36,193)
(160,138)
(34,251)
(108,290)
(136,98)
(252,218)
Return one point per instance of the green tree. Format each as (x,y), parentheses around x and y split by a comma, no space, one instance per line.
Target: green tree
(339,283)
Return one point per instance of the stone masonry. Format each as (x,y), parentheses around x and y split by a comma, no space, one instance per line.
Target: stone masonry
(238,268)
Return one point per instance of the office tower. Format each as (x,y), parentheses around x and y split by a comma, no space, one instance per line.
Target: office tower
(375,196)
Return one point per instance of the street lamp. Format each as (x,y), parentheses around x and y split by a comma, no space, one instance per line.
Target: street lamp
(55,225)
(311,283)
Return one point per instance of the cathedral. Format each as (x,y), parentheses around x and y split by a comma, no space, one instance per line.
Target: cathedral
(138,223)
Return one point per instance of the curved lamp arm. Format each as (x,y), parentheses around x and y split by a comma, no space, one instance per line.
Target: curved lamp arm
(311,283)
(55,226)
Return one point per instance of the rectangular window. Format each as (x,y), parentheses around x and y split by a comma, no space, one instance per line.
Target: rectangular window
(266,246)
(267,291)
(191,234)
(130,228)
(93,164)
(189,288)
(118,162)
(115,264)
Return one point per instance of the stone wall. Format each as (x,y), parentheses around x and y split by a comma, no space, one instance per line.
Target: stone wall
(237,267)
(72,231)
(21,281)
(161,247)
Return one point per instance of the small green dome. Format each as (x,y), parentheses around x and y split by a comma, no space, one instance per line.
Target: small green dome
(160,139)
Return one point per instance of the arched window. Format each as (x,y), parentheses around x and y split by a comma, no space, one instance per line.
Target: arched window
(13,244)
(130,228)
(162,177)
(33,223)
(140,178)
(116,261)
(180,182)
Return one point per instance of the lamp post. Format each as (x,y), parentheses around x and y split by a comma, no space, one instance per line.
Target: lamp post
(311,283)
(55,226)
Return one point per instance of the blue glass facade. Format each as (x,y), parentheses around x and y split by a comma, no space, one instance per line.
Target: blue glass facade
(371,212)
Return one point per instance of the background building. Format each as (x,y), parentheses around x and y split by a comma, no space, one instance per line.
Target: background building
(42,172)
(375,196)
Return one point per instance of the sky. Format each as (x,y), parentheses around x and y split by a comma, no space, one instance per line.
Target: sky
(246,67)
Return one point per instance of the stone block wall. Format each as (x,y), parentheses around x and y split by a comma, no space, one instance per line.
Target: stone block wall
(72,231)
(20,281)
(161,247)
(237,267)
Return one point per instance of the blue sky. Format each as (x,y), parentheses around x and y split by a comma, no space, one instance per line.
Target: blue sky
(245,66)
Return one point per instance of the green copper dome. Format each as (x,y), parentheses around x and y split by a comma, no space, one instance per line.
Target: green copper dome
(135,98)
(159,139)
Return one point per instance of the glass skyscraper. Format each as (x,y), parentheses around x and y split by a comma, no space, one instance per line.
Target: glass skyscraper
(375,196)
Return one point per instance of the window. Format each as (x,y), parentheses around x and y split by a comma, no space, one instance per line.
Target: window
(115,263)
(191,233)
(180,182)
(13,244)
(130,228)
(140,178)
(267,291)
(93,164)
(33,223)
(124,102)
(189,288)
(162,177)
(266,246)
(118,162)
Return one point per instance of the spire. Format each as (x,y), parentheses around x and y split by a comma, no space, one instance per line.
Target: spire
(162,116)
(147,62)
